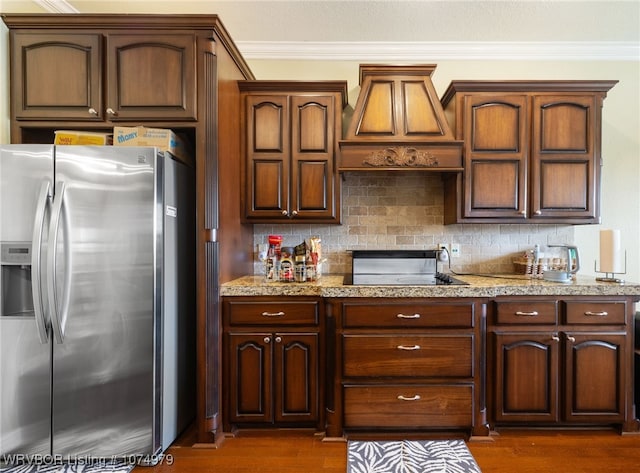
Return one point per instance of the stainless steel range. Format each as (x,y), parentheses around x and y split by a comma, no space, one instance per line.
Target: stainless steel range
(398,267)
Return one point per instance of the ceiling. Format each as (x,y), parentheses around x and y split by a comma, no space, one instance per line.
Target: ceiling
(321,23)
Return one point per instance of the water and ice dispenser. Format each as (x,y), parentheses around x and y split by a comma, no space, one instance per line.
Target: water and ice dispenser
(15,279)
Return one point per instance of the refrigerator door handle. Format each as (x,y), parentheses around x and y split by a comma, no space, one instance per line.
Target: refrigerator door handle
(58,317)
(36,262)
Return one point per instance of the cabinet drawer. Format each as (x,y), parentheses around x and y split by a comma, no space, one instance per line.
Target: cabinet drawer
(407,315)
(407,355)
(273,313)
(586,312)
(527,312)
(408,406)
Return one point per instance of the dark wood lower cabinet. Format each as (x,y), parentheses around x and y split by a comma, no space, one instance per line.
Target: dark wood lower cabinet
(272,350)
(273,377)
(408,406)
(596,371)
(416,366)
(407,366)
(577,371)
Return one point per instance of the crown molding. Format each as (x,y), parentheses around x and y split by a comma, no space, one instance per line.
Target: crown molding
(441,50)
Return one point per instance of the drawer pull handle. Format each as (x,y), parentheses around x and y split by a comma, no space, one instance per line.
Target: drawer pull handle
(408,347)
(571,339)
(527,314)
(596,314)
(273,314)
(555,338)
(408,316)
(405,398)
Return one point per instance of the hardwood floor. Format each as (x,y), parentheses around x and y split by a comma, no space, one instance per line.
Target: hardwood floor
(508,451)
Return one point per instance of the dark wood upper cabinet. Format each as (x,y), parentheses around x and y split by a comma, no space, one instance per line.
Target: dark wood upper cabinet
(57,75)
(291,132)
(104,76)
(565,166)
(532,151)
(151,77)
(496,138)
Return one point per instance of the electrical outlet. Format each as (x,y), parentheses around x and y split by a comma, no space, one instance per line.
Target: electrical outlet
(455,250)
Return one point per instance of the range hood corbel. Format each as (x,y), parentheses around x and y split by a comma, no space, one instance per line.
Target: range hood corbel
(399,124)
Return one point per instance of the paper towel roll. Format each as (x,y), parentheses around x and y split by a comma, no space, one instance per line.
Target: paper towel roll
(610,253)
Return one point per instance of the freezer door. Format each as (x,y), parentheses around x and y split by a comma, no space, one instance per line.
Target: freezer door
(104,288)
(25,362)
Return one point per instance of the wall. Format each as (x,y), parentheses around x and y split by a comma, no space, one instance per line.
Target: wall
(484,247)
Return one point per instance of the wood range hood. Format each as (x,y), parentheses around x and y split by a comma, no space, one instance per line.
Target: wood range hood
(399,124)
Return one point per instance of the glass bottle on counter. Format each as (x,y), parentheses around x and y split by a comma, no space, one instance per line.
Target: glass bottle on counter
(287,265)
(272,265)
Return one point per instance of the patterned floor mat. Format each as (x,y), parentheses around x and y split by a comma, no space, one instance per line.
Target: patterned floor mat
(406,456)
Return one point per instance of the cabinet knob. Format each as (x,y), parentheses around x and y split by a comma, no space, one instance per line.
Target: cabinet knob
(93,111)
(294,213)
(111,112)
(571,339)
(523,212)
(555,338)
(267,339)
(538,212)
(278,339)
(285,213)
(406,398)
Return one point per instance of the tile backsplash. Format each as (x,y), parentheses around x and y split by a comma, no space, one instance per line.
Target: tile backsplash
(404,210)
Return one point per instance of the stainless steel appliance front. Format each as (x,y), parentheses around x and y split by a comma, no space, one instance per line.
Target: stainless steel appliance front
(399,268)
(83,372)
(408,267)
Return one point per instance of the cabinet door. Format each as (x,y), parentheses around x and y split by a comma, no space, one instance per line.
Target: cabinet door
(312,156)
(268,151)
(496,159)
(596,367)
(565,175)
(56,76)
(526,377)
(250,390)
(296,377)
(151,77)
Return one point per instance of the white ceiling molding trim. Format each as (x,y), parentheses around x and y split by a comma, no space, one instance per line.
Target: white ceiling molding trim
(453,50)
(57,6)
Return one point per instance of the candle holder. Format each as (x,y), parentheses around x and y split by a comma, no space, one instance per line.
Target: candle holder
(611,277)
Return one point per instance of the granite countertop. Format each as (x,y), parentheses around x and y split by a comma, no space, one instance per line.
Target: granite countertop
(479,286)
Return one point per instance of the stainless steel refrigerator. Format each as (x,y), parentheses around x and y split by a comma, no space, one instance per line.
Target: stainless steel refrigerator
(97,310)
